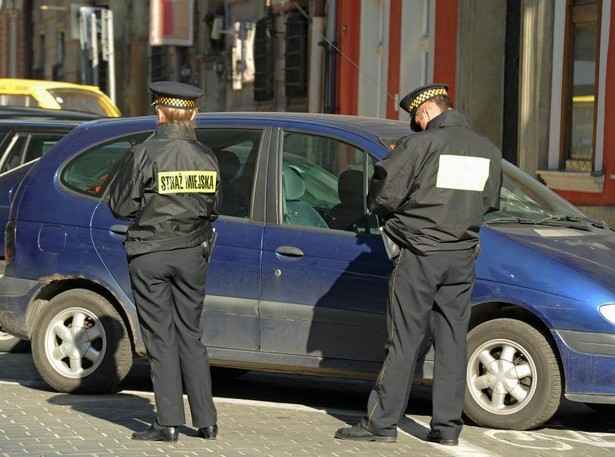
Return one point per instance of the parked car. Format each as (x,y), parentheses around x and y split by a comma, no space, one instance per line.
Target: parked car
(298,279)
(22,141)
(56,95)
(24,112)
(25,135)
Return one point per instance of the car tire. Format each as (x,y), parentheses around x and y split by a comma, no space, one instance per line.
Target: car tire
(80,344)
(10,343)
(513,379)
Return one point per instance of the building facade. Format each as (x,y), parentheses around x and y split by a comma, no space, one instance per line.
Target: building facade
(532,75)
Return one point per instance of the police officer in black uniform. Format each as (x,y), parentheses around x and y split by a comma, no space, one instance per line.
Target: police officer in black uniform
(168,187)
(432,191)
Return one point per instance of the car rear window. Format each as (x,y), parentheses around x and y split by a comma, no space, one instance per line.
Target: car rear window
(79,100)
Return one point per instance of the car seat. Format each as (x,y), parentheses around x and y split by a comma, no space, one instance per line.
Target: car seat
(349,212)
(296,211)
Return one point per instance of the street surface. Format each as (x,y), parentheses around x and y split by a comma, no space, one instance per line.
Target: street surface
(260,415)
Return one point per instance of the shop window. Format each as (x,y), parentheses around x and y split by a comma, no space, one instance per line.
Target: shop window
(580,84)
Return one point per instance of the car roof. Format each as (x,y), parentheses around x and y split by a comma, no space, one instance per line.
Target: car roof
(371,127)
(20,84)
(23,112)
(40,123)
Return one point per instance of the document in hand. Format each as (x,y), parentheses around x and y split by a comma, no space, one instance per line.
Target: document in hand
(390,246)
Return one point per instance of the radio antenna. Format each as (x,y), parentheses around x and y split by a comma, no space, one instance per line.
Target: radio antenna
(332,45)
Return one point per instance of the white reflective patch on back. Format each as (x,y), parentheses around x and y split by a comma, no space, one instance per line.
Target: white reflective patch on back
(462,173)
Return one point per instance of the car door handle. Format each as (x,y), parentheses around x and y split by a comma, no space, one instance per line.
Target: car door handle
(119,229)
(289,251)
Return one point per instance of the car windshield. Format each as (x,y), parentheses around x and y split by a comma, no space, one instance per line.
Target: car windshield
(524,199)
(79,100)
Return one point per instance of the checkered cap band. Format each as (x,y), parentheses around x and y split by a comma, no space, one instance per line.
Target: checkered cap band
(176,102)
(424,96)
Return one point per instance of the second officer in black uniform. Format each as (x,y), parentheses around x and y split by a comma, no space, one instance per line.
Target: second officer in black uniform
(432,192)
(168,186)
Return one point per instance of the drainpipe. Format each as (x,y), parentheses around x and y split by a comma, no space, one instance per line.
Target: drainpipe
(330,64)
(316,58)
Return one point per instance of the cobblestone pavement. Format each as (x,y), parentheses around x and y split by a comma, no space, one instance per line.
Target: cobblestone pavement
(35,421)
(258,417)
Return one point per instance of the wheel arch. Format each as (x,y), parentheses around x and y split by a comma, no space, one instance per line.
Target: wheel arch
(488,311)
(55,288)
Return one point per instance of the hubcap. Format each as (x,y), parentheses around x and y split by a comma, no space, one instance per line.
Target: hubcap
(75,343)
(501,376)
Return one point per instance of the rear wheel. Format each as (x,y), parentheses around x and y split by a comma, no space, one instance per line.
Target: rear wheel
(80,344)
(10,343)
(513,379)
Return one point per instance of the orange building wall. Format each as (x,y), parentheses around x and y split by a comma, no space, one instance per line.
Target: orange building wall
(445,46)
(394,57)
(348,42)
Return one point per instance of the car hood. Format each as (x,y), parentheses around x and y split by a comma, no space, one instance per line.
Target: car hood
(591,253)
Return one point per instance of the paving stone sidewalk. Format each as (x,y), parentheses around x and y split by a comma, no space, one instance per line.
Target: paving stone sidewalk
(35,421)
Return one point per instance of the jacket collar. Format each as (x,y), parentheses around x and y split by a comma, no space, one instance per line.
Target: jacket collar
(173,130)
(447,119)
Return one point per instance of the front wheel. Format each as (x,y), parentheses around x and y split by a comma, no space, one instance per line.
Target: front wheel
(80,344)
(513,379)
(10,343)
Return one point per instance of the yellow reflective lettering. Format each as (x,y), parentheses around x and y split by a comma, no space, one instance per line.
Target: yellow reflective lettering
(186,181)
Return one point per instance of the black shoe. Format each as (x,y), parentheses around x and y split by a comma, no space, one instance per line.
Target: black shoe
(209,433)
(359,433)
(435,437)
(157,433)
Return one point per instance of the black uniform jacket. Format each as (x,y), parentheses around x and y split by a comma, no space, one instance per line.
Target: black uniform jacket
(169,187)
(435,186)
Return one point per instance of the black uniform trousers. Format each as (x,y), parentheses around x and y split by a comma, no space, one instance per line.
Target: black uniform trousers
(169,288)
(421,288)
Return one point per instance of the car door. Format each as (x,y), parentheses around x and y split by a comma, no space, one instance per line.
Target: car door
(325,272)
(233,283)
(17,150)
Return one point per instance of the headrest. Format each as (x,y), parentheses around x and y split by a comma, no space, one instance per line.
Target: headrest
(293,184)
(229,164)
(350,187)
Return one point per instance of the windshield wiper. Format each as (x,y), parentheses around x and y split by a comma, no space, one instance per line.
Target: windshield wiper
(581,223)
(574,219)
(509,220)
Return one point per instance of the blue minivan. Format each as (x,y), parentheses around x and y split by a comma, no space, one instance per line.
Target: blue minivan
(298,279)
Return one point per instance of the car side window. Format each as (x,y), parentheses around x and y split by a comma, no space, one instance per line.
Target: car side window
(324,183)
(88,172)
(24,148)
(13,153)
(17,100)
(237,153)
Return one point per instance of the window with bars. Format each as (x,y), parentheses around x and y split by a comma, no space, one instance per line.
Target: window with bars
(296,55)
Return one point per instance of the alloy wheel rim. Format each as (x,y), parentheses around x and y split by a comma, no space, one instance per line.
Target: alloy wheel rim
(75,342)
(501,376)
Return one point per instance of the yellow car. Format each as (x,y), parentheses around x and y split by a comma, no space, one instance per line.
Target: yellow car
(56,95)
